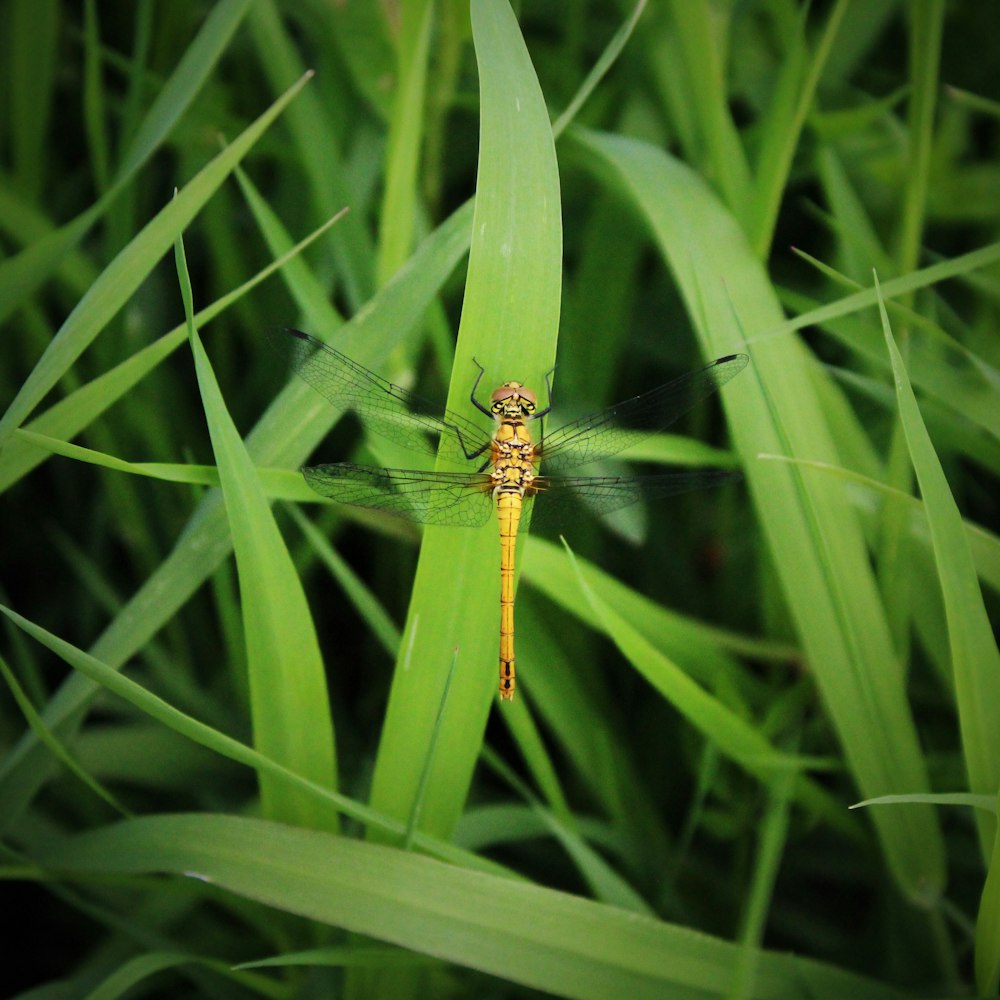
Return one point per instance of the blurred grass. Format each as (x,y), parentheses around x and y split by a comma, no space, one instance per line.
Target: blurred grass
(703,687)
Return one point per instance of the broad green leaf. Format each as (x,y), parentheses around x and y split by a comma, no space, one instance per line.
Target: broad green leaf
(552,941)
(510,317)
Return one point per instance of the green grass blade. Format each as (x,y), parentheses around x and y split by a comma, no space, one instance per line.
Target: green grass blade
(365,602)
(311,297)
(318,150)
(71,414)
(510,317)
(795,93)
(288,693)
(31,62)
(285,435)
(771,846)
(600,69)
(701,38)
(22,275)
(984,546)
(186,81)
(200,733)
(127,271)
(815,541)
(52,741)
(136,970)
(93,98)
(975,659)
(406,126)
(552,941)
(988,923)
(926,26)
(735,737)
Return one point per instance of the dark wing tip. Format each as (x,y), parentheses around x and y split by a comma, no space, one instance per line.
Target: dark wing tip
(743,359)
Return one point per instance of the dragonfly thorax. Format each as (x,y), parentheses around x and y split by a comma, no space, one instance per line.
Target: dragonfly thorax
(513,401)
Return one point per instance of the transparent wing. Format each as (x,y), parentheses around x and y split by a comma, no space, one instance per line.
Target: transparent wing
(600,435)
(558,498)
(454,498)
(389,410)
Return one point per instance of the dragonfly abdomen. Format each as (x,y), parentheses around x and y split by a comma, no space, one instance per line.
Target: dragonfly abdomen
(513,472)
(509,503)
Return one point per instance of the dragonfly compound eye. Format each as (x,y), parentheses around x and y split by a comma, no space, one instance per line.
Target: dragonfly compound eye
(513,398)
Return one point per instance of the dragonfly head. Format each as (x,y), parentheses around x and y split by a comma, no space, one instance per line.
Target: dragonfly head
(513,400)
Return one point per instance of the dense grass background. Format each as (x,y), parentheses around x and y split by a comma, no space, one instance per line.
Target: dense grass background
(310,729)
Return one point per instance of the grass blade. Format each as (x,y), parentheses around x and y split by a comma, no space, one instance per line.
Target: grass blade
(127,271)
(288,694)
(815,541)
(561,944)
(975,659)
(510,317)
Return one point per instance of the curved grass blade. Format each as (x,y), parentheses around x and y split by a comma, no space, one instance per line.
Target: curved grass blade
(814,538)
(128,270)
(288,693)
(555,942)
(975,659)
(510,317)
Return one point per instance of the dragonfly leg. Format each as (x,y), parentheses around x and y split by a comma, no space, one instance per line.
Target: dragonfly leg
(548,389)
(482,449)
(472,395)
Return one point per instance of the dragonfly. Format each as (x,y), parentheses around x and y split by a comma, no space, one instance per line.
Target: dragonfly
(499,472)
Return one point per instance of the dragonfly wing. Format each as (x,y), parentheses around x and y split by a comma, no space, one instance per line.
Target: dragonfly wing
(560,497)
(600,435)
(390,410)
(454,498)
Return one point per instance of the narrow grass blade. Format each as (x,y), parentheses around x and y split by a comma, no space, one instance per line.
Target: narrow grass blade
(984,546)
(926,24)
(975,658)
(54,744)
(795,93)
(71,414)
(365,602)
(138,969)
(317,146)
(21,275)
(406,127)
(600,69)
(734,737)
(988,924)
(200,733)
(128,270)
(311,297)
(703,77)
(510,317)
(284,436)
(288,693)
(187,79)
(815,541)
